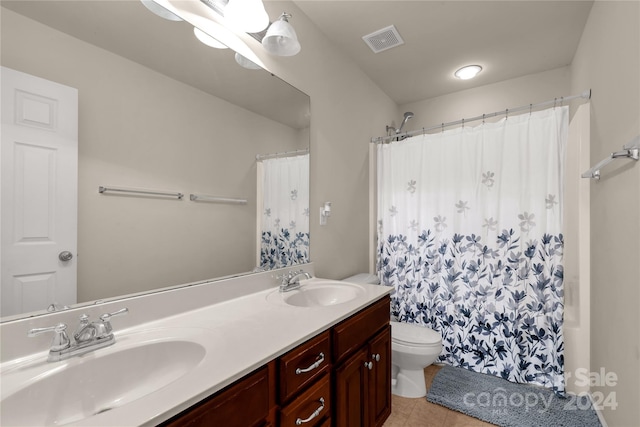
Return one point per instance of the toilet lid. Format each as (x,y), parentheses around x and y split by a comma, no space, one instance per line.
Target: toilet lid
(414,334)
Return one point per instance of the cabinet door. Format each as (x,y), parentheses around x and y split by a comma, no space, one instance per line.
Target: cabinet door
(380,378)
(352,384)
(244,404)
(353,333)
(310,408)
(303,365)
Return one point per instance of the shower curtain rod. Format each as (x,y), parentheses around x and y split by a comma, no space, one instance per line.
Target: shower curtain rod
(557,101)
(283,154)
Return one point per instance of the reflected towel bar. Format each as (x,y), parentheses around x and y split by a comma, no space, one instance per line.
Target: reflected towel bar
(629,151)
(216,199)
(260,157)
(102,190)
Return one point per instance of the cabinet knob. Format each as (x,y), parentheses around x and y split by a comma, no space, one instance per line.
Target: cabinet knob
(376,357)
(368,365)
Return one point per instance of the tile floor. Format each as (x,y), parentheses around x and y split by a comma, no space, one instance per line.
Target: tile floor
(407,412)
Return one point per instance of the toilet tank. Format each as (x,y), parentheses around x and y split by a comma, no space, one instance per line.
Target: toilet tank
(363,278)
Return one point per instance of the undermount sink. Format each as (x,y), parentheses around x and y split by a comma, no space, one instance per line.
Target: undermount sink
(318,293)
(81,387)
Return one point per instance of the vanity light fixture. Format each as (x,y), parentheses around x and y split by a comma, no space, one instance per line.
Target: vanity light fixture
(281,38)
(468,72)
(160,11)
(325,212)
(246,63)
(207,39)
(246,15)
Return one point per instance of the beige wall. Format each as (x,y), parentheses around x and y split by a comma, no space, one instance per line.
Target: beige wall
(138,128)
(517,92)
(347,109)
(608,61)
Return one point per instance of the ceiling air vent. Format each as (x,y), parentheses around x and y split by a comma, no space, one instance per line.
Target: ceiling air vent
(383,39)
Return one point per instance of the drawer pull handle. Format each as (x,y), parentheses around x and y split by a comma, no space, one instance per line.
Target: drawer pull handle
(317,363)
(300,421)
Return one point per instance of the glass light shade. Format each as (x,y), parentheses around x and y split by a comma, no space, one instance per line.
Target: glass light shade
(246,15)
(207,39)
(468,72)
(160,11)
(281,39)
(246,63)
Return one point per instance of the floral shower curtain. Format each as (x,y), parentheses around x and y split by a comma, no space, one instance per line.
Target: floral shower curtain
(285,211)
(470,237)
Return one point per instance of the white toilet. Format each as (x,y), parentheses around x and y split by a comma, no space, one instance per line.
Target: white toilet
(413,348)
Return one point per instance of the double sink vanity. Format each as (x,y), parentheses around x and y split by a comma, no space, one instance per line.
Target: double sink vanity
(235,352)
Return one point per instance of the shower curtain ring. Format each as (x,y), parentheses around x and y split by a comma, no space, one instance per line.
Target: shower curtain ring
(506,113)
(442,127)
(462,123)
(530,108)
(555,100)
(483,118)
(561,100)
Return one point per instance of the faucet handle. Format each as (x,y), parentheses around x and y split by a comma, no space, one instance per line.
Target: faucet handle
(60,341)
(107,316)
(104,329)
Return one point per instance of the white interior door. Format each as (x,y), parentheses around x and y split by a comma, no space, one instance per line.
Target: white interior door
(39,172)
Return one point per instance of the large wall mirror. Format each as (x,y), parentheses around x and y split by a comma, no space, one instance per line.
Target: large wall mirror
(160,111)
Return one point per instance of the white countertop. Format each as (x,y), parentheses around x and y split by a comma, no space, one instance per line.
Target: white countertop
(239,335)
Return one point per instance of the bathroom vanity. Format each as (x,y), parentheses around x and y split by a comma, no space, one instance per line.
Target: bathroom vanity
(341,377)
(236,353)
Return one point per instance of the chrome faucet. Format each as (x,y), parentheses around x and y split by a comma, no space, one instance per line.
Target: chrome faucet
(291,280)
(87,337)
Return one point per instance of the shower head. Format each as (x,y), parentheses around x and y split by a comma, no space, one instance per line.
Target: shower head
(408,115)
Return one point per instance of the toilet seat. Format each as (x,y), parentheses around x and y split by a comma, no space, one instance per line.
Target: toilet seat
(414,335)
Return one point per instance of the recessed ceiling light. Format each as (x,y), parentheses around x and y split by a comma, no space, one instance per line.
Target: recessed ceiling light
(468,72)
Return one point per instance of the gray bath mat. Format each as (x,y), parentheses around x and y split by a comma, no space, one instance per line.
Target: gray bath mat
(507,404)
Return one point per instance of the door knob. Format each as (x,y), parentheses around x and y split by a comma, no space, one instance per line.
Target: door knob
(65,256)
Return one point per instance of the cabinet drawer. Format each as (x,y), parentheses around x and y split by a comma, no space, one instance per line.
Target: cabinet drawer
(352,333)
(302,365)
(245,403)
(316,400)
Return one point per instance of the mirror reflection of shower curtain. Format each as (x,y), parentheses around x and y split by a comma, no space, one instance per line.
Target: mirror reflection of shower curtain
(284,215)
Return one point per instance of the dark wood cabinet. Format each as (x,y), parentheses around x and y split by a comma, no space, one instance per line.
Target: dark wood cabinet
(352,383)
(363,384)
(303,365)
(311,408)
(341,377)
(379,399)
(246,403)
